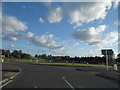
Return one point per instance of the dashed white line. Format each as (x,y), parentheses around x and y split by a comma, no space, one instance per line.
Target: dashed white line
(68,82)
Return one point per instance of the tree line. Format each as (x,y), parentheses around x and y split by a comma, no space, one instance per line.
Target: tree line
(15,54)
(89,60)
(50,58)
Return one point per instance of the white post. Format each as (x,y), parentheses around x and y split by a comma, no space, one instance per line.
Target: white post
(106,60)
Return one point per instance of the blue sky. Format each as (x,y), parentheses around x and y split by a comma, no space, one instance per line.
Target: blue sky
(59,28)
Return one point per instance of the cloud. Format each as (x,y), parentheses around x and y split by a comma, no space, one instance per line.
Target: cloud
(76,44)
(29,35)
(78,13)
(10,26)
(117,22)
(88,12)
(94,36)
(90,34)
(13,38)
(116,2)
(12,45)
(55,15)
(109,40)
(94,52)
(46,41)
(41,20)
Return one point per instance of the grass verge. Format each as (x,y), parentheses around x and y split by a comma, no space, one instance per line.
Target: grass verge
(73,64)
(22,60)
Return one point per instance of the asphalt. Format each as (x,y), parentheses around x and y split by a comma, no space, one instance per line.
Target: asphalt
(44,76)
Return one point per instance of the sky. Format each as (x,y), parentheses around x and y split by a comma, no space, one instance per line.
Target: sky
(60,28)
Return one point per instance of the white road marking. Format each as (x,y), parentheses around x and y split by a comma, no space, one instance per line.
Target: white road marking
(11,78)
(68,82)
(6,83)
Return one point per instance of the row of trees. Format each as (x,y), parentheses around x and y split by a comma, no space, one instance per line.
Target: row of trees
(15,54)
(91,60)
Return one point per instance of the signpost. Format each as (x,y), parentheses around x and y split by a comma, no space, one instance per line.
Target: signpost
(106,60)
(107,52)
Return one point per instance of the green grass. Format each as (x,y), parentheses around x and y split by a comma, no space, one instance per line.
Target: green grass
(22,60)
(42,61)
(73,64)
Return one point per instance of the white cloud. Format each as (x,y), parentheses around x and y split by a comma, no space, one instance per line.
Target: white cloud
(88,12)
(79,12)
(41,20)
(10,26)
(109,40)
(76,44)
(29,35)
(12,45)
(94,52)
(94,36)
(47,41)
(116,2)
(13,39)
(55,15)
(90,34)
(117,22)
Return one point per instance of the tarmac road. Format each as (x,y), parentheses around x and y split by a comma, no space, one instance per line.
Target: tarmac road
(43,76)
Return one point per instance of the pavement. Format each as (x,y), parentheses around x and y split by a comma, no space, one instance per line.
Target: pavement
(8,73)
(8,69)
(44,76)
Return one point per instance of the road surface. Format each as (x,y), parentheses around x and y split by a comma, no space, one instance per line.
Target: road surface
(43,76)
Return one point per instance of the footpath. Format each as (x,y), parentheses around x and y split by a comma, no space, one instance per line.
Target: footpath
(8,72)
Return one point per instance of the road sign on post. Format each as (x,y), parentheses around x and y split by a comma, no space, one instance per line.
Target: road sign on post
(107,52)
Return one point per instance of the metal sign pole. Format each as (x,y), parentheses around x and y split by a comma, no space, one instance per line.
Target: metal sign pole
(106,60)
